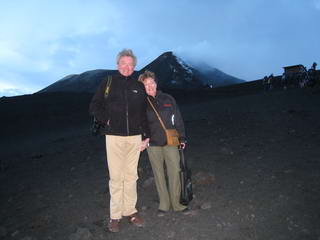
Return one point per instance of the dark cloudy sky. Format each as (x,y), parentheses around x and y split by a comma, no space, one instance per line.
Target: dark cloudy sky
(42,41)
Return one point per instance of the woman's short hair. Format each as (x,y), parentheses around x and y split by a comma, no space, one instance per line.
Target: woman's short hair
(127,53)
(147,74)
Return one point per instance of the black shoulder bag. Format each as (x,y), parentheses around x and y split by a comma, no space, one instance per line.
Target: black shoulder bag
(96,125)
(185,179)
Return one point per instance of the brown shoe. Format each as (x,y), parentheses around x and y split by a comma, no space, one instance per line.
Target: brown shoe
(114,225)
(136,220)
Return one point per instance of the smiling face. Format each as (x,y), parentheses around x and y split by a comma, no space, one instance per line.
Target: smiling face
(126,66)
(150,86)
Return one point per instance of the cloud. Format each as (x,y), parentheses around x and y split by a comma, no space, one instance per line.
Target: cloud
(317,4)
(10,92)
(14,84)
(43,41)
(50,37)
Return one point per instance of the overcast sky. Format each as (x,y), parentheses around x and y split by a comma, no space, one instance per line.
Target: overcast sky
(42,41)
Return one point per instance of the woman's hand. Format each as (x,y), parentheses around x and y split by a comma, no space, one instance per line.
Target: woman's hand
(182,145)
(144,144)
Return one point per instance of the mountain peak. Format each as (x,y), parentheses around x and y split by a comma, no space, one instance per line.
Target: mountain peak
(172,72)
(167,54)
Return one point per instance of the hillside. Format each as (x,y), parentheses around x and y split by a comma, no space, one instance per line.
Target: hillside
(254,156)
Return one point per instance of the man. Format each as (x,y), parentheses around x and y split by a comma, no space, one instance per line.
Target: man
(120,105)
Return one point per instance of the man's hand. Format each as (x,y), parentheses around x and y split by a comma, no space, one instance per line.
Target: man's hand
(144,144)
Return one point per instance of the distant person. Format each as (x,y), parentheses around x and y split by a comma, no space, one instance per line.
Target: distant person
(305,78)
(313,74)
(158,151)
(284,81)
(123,113)
(265,83)
(270,82)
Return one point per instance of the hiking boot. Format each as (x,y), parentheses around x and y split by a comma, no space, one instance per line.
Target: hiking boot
(114,225)
(136,220)
(161,213)
(186,211)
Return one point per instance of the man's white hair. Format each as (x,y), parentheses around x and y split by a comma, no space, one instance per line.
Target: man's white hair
(127,53)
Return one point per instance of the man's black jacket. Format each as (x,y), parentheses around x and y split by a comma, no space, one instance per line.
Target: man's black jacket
(123,111)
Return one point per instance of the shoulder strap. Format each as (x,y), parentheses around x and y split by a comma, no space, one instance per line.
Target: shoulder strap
(107,90)
(156,112)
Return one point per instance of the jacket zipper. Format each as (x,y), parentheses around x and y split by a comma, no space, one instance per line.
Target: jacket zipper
(127,108)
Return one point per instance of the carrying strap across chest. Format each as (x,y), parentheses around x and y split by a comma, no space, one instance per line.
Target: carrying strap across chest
(156,112)
(108,85)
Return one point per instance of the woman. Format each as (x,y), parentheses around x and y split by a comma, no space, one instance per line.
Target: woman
(158,151)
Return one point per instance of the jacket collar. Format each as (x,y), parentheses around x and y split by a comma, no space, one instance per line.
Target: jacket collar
(119,75)
(159,92)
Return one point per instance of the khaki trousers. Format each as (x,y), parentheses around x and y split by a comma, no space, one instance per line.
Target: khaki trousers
(170,156)
(122,156)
